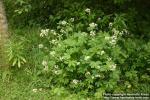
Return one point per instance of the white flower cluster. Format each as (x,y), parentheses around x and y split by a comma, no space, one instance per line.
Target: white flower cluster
(112,39)
(52,53)
(109,59)
(75,81)
(71,19)
(56,70)
(129,86)
(84,34)
(98,67)
(126,31)
(93,25)
(99,19)
(87,73)
(36,90)
(117,32)
(87,10)
(110,24)
(92,77)
(91,28)
(97,75)
(112,67)
(62,31)
(45,64)
(92,33)
(64,23)
(53,32)
(78,63)
(41,46)
(53,41)
(86,58)
(102,52)
(56,67)
(44,32)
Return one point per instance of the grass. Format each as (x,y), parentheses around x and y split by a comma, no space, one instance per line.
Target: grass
(18,86)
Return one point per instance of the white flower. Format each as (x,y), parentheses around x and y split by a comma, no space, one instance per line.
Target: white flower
(98,67)
(87,10)
(112,67)
(58,27)
(109,59)
(40,89)
(54,41)
(63,22)
(115,31)
(107,37)
(102,52)
(44,63)
(87,73)
(56,72)
(34,90)
(41,46)
(75,81)
(97,75)
(72,19)
(78,63)
(46,48)
(99,19)
(110,24)
(45,68)
(87,58)
(52,53)
(93,25)
(126,31)
(92,33)
(53,32)
(44,32)
(92,77)
(113,42)
(84,34)
(114,37)
(121,33)
(56,66)
(129,86)
(62,31)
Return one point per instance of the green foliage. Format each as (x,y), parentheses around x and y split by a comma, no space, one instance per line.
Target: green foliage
(16,53)
(81,50)
(82,56)
(120,1)
(136,66)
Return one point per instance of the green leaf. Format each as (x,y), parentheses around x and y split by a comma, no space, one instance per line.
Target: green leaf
(14,62)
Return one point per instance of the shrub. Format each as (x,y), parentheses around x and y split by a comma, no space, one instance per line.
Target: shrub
(82,56)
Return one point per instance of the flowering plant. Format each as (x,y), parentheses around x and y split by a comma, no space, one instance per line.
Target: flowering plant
(83,60)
